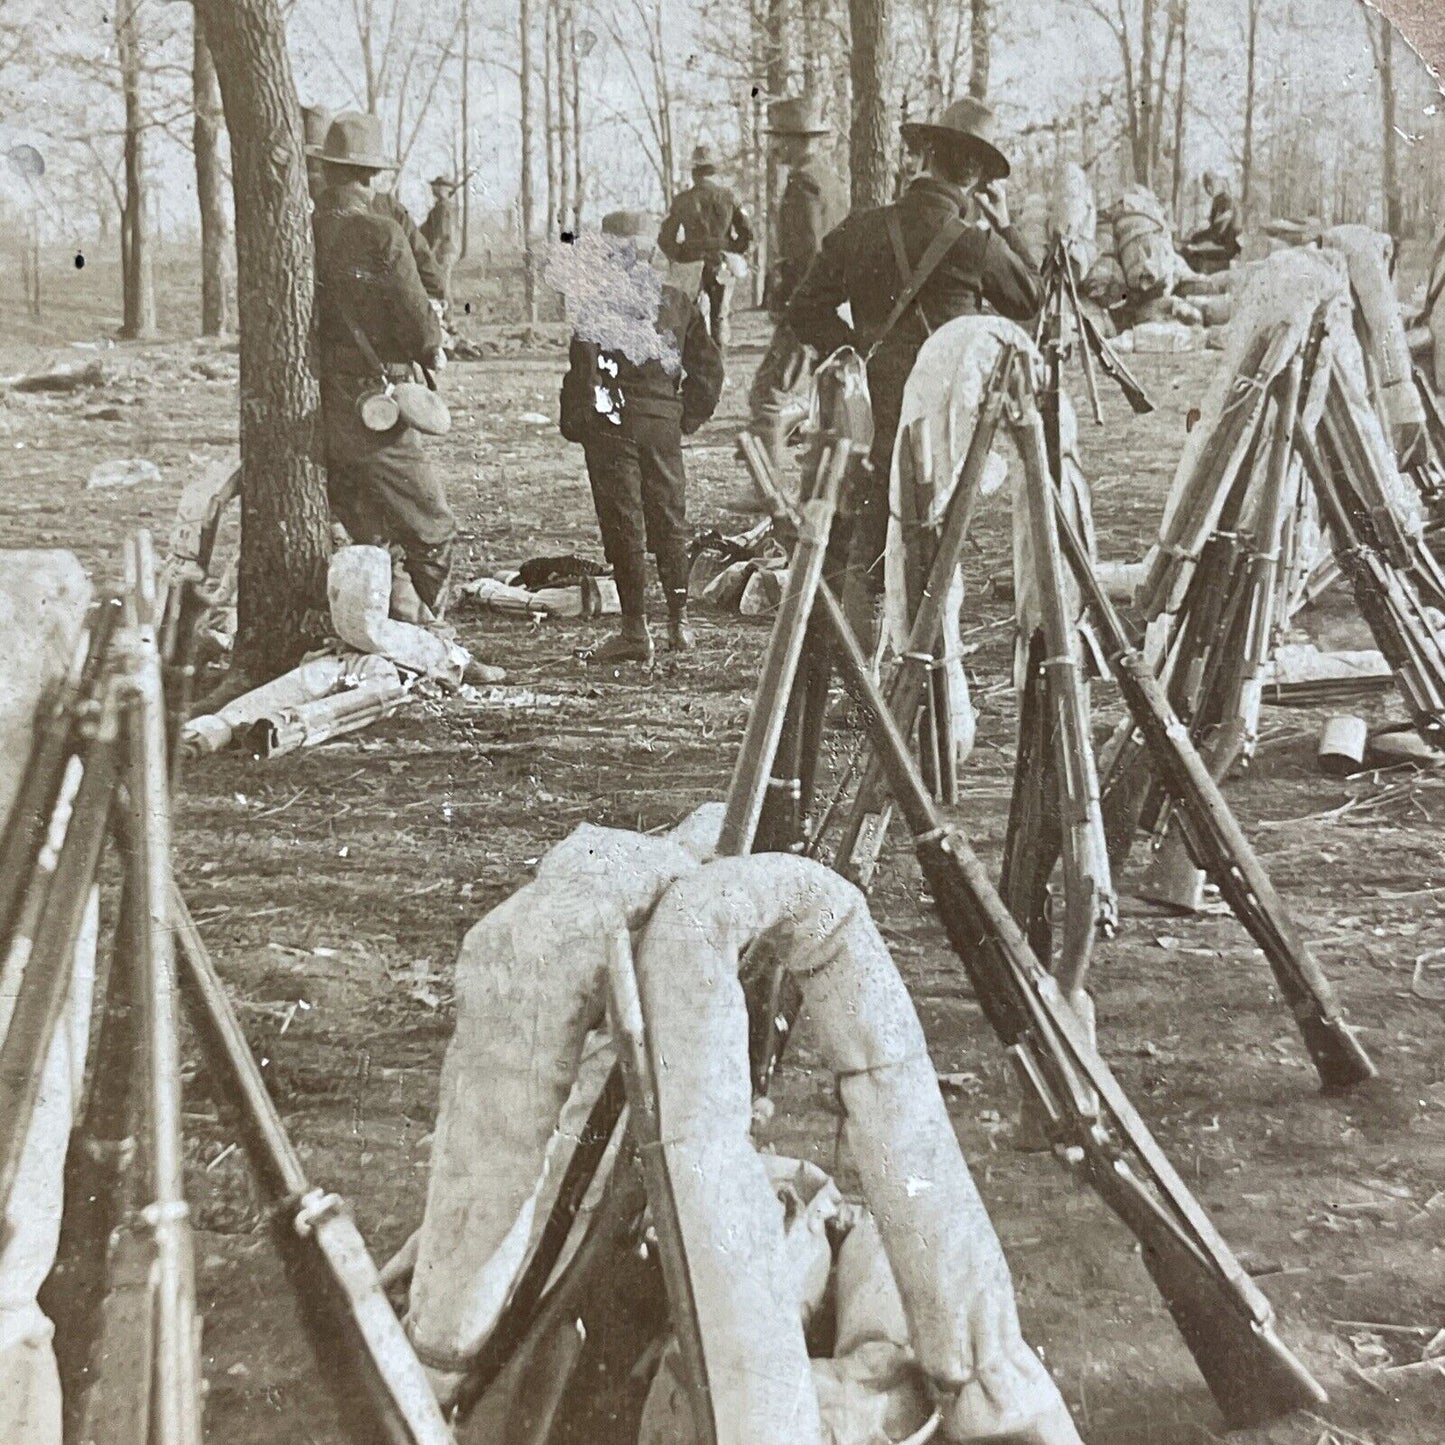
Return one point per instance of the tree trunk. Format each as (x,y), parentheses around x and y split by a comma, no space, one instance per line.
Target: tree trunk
(217,318)
(524,82)
(138,309)
(466,118)
(1390,158)
(776,79)
(285,525)
(574,100)
(868,137)
(812,50)
(549,118)
(1251,55)
(980,44)
(565,164)
(1144,166)
(1181,103)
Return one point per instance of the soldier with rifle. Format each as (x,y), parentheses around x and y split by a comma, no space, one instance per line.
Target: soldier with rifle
(944,249)
(813,204)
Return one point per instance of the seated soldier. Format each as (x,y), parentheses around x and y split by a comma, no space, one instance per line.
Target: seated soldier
(1217,241)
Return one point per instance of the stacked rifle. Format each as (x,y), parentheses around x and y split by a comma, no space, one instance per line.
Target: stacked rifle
(99,770)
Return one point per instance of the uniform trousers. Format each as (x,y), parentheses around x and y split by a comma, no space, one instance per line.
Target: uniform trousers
(639,488)
(383,490)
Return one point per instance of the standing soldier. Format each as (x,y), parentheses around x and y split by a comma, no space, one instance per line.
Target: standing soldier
(705,224)
(316,123)
(629,396)
(812,204)
(441,230)
(906,269)
(374,323)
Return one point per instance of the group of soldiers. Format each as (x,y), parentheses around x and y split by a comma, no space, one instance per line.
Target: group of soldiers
(945,248)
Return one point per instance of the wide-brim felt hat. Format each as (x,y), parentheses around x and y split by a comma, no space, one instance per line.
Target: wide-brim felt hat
(354,139)
(795,116)
(967,124)
(704,157)
(315,122)
(449,183)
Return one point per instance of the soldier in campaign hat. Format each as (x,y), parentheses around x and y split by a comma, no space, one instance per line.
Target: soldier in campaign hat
(705,223)
(375,323)
(441,229)
(316,123)
(949,236)
(812,204)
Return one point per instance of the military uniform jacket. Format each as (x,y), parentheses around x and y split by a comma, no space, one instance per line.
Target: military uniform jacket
(857,264)
(433,278)
(705,220)
(813,204)
(649,390)
(366,274)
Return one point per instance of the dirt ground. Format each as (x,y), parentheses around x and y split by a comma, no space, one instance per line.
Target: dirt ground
(333,887)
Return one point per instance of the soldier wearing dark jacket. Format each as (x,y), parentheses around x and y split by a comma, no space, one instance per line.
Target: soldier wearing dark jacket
(812,204)
(316,122)
(630,408)
(705,222)
(867,262)
(374,322)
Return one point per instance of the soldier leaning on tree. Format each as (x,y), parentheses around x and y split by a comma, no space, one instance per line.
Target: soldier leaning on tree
(705,223)
(949,235)
(375,323)
(316,123)
(812,204)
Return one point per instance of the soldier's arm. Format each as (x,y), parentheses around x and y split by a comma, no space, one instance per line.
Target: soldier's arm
(740,232)
(702,373)
(667,238)
(1010,279)
(426,264)
(812,311)
(400,297)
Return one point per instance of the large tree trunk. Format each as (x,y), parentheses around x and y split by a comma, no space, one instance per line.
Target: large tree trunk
(217,318)
(285,525)
(868,138)
(138,308)
(466,122)
(1251,56)
(980,44)
(574,101)
(524,83)
(776,80)
(550,128)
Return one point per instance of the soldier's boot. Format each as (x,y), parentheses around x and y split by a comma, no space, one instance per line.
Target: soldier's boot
(631,643)
(680,637)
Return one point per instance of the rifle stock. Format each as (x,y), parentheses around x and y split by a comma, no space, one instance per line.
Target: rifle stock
(1224,1319)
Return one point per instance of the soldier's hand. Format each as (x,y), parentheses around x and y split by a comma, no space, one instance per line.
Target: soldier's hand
(993,204)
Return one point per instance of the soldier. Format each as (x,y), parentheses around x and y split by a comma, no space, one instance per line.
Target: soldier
(316,123)
(705,223)
(812,204)
(440,229)
(904,270)
(374,323)
(1218,240)
(629,403)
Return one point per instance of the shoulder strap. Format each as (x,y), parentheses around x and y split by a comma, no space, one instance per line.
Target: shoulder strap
(363,344)
(942,243)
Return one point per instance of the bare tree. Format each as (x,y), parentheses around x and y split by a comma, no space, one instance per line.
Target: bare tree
(285,531)
(1181,104)
(1253,12)
(1382,43)
(869,134)
(528,203)
(138,308)
(217,318)
(466,127)
(980,44)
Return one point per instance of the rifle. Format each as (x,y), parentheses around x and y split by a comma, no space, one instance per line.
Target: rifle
(1215,839)
(1227,1323)
(867,823)
(754,768)
(381,1388)
(147,1366)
